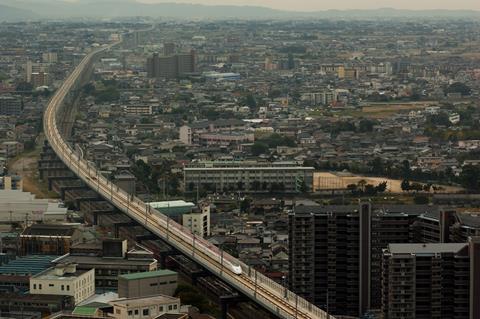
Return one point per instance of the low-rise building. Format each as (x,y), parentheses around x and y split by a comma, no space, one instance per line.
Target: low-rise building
(49,239)
(148,283)
(114,260)
(225,139)
(198,221)
(134,109)
(17,206)
(10,105)
(248,176)
(145,308)
(12,182)
(66,280)
(11,148)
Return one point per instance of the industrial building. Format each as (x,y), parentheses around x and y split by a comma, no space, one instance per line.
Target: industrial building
(149,283)
(49,239)
(19,206)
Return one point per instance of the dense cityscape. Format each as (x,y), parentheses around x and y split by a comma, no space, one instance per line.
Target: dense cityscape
(240,168)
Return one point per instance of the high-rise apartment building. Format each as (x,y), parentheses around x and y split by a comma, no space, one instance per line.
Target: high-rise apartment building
(49,57)
(40,79)
(169,48)
(172,66)
(431,281)
(10,105)
(186,135)
(33,67)
(336,252)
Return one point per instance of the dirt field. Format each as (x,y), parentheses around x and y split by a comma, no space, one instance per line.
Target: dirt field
(26,165)
(324,180)
(385,110)
(377,110)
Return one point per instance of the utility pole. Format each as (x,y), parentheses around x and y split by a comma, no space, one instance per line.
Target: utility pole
(193,250)
(255,292)
(168,222)
(221,261)
(197,192)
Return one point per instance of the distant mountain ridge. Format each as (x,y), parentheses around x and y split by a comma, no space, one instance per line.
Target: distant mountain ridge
(23,9)
(10,14)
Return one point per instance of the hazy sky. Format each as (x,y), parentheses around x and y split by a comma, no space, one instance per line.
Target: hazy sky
(308,5)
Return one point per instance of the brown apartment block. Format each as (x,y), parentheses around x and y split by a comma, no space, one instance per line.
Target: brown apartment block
(431,281)
(336,251)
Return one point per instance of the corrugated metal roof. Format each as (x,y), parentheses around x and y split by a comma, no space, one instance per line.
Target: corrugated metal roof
(28,265)
(148,274)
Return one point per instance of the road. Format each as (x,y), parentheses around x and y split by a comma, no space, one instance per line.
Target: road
(253,284)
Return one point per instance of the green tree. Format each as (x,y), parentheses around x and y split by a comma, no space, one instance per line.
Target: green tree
(406,170)
(353,188)
(291,62)
(458,87)
(438,119)
(361,185)
(303,187)
(421,200)
(245,205)
(377,165)
(275,93)
(470,177)
(89,88)
(370,190)
(382,187)
(416,187)
(24,87)
(366,125)
(240,185)
(405,185)
(250,101)
(259,148)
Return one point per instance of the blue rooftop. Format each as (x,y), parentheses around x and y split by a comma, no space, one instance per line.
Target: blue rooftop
(27,265)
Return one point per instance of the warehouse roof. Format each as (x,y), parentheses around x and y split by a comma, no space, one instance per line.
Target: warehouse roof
(28,265)
(148,274)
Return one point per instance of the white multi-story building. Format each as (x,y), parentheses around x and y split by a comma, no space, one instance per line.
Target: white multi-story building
(145,308)
(49,57)
(66,280)
(186,135)
(198,221)
(137,109)
(248,176)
